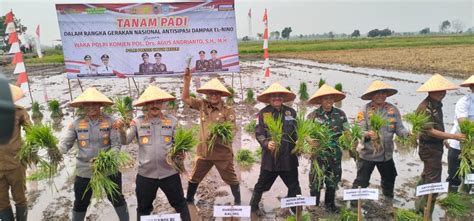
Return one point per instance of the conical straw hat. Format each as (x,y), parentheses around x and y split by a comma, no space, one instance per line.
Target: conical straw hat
(214,85)
(324,91)
(17,93)
(437,83)
(276,88)
(468,82)
(91,95)
(153,93)
(378,86)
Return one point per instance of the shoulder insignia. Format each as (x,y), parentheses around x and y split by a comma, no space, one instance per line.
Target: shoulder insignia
(360,116)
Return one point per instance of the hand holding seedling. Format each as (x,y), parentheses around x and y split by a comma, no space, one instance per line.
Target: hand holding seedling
(271,146)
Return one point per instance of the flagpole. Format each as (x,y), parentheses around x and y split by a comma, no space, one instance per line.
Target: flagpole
(29,88)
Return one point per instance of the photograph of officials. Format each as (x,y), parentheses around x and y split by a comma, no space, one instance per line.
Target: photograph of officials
(213,64)
(105,68)
(152,68)
(88,68)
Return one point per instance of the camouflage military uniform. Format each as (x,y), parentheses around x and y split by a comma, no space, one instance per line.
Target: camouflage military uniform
(330,160)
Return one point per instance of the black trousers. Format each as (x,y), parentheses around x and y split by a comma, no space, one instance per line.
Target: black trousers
(267,178)
(146,189)
(83,198)
(387,171)
(453,166)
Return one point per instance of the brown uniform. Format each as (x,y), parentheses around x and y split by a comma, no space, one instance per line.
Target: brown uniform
(221,155)
(12,171)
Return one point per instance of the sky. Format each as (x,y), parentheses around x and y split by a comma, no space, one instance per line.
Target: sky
(303,16)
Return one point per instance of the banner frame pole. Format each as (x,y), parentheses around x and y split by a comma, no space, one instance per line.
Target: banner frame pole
(70,91)
(80,84)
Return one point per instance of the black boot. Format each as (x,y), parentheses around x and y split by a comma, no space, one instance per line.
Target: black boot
(192,188)
(184,213)
(256,197)
(236,192)
(21,213)
(329,200)
(453,188)
(317,194)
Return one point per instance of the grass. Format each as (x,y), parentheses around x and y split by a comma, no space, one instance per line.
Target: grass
(123,106)
(321,82)
(376,122)
(251,127)
(184,141)
(245,157)
(304,217)
(172,105)
(250,98)
(275,130)
(406,215)
(303,130)
(56,58)
(54,107)
(35,111)
(224,131)
(348,215)
(105,164)
(230,99)
(455,204)
(338,87)
(303,92)
(255,47)
(419,121)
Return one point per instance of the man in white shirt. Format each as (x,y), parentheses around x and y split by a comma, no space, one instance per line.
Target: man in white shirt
(88,68)
(105,68)
(464,110)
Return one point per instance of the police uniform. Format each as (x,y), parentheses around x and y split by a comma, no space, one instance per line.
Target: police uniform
(91,137)
(202,65)
(146,68)
(157,68)
(103,69)
(215,64)
(12,171)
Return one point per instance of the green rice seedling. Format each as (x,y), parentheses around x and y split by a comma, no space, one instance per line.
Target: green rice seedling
(303,92)
(467,148)
(105,164)
(224,131)
(184,142)
(338,87)
(80,112)
(230,99)
(349,138)
(108,110)
(124,107)
(275,130)
(377,122)
(250,99)
(455,204)
(54,107)
(323,134)
(318,174)
(193,95)
(406,215)
(348,215)
(251,127)
(172,105)
(303,129)
(304,217)
(288,87)
(28,155)
(245,157)
(40,173)
(35,111)
(321,82)
(258,153)
(419,121)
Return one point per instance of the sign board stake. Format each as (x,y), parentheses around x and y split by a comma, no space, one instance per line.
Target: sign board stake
(298,211)
(359,209)
(427,212)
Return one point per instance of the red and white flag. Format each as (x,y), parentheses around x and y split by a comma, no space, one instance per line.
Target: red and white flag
(38,42)
(22,81)
(20,65)
(9,22)
(250,13)
(266,64)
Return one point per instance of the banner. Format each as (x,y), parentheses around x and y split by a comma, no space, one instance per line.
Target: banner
(148,39)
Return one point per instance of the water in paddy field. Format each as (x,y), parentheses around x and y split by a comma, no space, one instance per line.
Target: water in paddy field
(54,203)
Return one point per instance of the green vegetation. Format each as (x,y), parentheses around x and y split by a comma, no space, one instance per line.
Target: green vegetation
(303,92)
(35,111)
(250,99)
(251,127)
(184,142)
(303,130)
(350,137)
(222,131)
(245,157)
(123,106)
(338,87)
(54,107)
(172,105)
(275,130)
(407,215)
(258,153)
(455,204)
(304,217)
(467,148)
(419,121)
(321,82)
(230,99)
(348,215)
(376,122)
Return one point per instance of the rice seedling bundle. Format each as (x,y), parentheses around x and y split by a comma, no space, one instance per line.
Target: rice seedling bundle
(303,130)
(455,204)
(224,131)
(406,215)
(350,137)
(348,215)
(338,87)
(108,110)
(323,134)
(245,157)
(303,92)
(377,122)
(124,107)
(172,104)
(80,112)
(419,121)
(250,98)
(251,127)
(105,164)
(230,99)
(35,111)
(467,148)
(275,130)
(321,82)
(54,107)
(184,141)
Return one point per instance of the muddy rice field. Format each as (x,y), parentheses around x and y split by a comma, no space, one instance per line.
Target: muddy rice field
(53,201)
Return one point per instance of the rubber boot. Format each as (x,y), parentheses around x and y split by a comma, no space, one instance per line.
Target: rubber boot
(329,200)
(21,213)
(192,188)
(316,194)
(122,213)
(452,188)
(6,214)
(236,192)
(78,216)
(254,201)
(184,213)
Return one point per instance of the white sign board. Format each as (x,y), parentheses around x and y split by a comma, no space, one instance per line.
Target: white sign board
(164,217)
(432,188)
(298,201)
(469,179)
(362,194)
(231,211)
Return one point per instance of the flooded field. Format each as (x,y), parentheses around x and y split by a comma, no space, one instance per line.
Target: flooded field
(54,202)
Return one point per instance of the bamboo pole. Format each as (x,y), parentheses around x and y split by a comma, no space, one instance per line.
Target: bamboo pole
(427,213)
(359,209)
